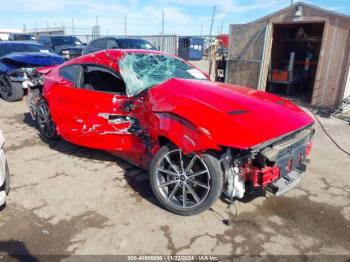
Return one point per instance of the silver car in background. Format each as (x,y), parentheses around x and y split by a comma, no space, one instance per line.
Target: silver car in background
(4,173)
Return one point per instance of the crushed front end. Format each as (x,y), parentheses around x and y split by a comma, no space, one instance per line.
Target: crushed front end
(34,84)
(276,166)
(26,77)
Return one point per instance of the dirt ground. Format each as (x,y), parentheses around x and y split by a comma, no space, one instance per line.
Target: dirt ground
(68,200)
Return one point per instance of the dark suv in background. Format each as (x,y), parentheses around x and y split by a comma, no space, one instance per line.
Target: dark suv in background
(68,46)
(116,43)
(21,37)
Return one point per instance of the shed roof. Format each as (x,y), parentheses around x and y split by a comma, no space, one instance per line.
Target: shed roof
(317,8)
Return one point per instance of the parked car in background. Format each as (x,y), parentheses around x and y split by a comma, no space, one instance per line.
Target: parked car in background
(17,60)
(21,37)
(68,46)
(197,138)
(116,43)
(4,173)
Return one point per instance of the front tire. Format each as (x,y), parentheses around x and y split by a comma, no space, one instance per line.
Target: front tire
(46,125)
(11,91)
(185,184)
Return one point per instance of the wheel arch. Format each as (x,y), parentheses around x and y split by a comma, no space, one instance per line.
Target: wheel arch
(180,132)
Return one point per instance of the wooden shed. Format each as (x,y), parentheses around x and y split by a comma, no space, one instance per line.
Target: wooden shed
(302,51)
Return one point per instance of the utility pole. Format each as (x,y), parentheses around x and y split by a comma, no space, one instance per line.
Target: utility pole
(47,24)
(201,30)
(211,29)
(222,26)
(162,31)
(212,21)
(125,26)
(73,30)
(24,28)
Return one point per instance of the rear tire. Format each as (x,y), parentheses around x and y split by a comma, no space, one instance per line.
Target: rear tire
(46,125)
(181,187)
(11,91)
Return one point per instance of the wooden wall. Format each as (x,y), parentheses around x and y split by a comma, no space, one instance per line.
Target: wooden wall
(331,76)
(245,56)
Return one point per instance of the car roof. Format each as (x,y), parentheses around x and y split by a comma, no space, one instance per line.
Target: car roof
(112,54)
(118,38)
(19,43)
(55,36)
(117,52)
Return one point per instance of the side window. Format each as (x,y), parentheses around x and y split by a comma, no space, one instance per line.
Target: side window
(70,73)
(44,40)
(97,78)
(112,44)
(100,44)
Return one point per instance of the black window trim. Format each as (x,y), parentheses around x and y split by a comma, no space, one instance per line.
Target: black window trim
(75,82)
(106,68)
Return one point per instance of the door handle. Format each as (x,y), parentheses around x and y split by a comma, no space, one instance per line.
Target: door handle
(115,118)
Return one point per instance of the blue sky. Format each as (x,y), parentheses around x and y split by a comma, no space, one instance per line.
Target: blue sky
(182,17)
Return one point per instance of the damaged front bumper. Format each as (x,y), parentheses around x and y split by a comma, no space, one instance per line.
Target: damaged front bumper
(28,77)
(276,166)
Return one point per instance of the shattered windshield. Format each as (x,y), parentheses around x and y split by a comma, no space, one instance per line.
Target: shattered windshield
(142,71)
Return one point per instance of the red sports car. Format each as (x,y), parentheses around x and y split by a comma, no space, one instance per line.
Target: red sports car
(197,138)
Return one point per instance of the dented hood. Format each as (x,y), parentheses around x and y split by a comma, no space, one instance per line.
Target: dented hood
(233,116)
(33,59)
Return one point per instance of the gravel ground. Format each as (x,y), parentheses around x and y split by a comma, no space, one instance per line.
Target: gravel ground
(69,200)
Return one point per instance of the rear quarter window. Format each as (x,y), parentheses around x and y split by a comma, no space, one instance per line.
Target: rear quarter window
(70,73)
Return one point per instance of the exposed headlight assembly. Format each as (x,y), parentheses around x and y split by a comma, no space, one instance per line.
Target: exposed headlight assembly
(66,54)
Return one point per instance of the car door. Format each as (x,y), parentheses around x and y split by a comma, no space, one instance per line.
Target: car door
(110,126)
(67,104)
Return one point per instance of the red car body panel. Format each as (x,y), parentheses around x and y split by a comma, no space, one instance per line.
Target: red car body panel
(195,115)
(231,115)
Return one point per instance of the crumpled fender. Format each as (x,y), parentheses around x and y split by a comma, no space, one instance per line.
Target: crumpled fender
(183,133)
(45,69)
(4,68)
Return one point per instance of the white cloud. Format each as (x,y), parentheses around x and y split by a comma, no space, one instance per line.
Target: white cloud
(32,5)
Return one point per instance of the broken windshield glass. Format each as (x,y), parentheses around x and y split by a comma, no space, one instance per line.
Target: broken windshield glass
(142,71)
